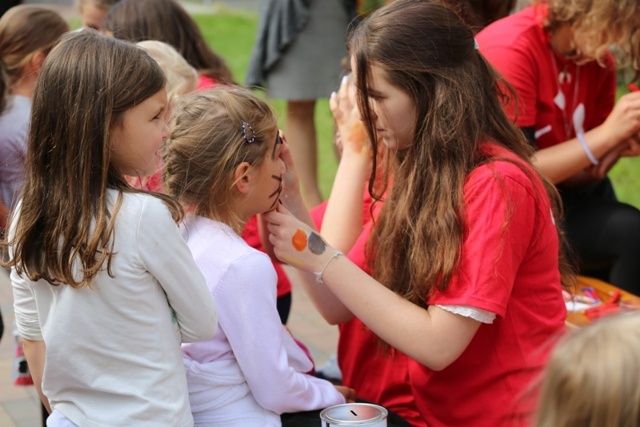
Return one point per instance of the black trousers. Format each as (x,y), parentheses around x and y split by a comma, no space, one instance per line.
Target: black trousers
(604,234)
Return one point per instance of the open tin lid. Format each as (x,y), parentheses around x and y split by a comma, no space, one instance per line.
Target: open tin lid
(354,414)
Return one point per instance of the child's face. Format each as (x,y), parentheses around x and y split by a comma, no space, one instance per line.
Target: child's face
(93,17)
(136,141)
(268,178)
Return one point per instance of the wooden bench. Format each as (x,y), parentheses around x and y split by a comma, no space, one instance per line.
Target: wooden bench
(605,292)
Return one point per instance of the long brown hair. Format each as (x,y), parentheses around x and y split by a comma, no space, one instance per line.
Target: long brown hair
(85,86)
(207,144)
(424,48)
(25,30)
(167,21)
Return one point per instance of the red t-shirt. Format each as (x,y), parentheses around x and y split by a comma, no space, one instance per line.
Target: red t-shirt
(518,47)
(376,375)
(206,82)
(508,266)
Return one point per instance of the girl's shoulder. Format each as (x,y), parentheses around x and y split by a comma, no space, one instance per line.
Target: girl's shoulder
(212,239)
(503,168)
(140,207)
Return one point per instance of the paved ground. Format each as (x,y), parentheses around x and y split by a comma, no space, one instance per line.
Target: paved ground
(20,407)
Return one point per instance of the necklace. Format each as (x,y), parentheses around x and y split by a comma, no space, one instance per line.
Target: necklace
(560,99)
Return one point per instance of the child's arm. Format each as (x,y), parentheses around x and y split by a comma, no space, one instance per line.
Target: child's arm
(28,326)
(35,352)
(502,214)
(343,219)
(327,304)
(263,348)
(167,257)
(433,337)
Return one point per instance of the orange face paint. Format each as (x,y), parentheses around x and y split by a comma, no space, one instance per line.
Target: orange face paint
(299,240)
(358,136)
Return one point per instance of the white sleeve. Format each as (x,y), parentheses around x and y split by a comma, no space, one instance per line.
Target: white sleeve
(24,307)
(249,318)
(167,257)
(24,302)
(477,314)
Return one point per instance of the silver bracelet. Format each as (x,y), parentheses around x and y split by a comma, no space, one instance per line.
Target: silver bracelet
(586,149)
(319,274)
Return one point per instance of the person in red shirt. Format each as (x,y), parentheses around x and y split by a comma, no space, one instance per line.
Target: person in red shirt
(556,56)
(465,257)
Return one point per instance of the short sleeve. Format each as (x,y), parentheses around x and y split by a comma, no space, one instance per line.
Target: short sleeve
(500,209)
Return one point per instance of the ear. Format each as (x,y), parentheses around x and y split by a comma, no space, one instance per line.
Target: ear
(242,177)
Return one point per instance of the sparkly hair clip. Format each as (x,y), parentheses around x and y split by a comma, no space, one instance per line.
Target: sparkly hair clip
(247,133)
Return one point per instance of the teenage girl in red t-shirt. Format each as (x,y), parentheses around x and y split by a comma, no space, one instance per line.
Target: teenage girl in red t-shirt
(556,56)
(465,255)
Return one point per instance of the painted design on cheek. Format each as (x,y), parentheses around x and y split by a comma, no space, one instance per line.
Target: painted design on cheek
(299,240)
(277,192)
(316,244)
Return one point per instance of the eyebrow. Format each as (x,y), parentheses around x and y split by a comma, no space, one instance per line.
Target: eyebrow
(372,91)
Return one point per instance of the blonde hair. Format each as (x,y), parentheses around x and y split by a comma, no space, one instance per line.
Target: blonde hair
(592,377)
(24,31)
(207,144)
(182,78)
(602,23)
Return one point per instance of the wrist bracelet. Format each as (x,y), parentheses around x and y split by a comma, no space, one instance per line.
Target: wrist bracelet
(319,274)
(585,147)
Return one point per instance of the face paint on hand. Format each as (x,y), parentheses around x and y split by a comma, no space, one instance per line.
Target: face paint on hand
(316,244)
(299,240)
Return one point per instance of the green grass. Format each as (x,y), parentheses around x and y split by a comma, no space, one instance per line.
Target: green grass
(231,34)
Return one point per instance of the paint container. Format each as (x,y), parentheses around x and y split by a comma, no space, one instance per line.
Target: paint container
(354,414)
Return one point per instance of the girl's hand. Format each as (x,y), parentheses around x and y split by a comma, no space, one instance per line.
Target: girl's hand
(295,243)
(628,148)
(624,121)
(352,136)
(348,393)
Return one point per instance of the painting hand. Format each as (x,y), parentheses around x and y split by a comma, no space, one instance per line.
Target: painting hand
(296,243)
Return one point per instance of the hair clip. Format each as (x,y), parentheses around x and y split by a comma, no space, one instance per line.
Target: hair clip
(475,44)
(247,132)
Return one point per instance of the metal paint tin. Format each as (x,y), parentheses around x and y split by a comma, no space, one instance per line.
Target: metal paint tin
(354,414)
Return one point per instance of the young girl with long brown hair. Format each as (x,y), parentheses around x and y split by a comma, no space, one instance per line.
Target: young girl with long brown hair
(104,286)
(464,254)
(226,161)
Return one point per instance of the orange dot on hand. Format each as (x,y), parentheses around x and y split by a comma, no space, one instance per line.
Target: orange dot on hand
(299,240)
